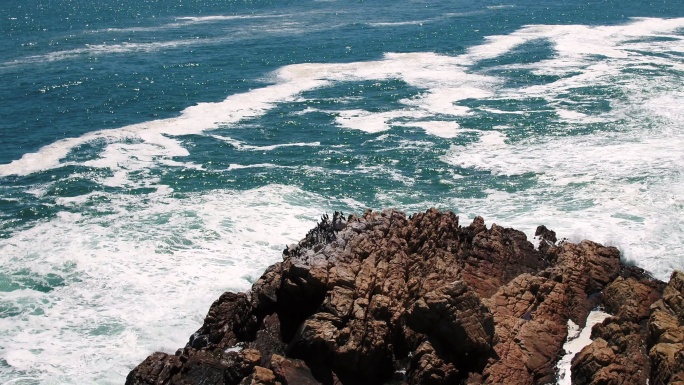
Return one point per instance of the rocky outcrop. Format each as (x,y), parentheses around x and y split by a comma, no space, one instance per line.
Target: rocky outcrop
(666,334)
(618,353)
(385,298)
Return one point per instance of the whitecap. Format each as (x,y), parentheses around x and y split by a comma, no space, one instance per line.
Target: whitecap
(141,277)
(580,177)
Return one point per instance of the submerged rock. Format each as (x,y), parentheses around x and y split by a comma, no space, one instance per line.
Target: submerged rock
(385,298)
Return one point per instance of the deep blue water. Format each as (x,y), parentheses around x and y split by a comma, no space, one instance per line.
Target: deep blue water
(157,153)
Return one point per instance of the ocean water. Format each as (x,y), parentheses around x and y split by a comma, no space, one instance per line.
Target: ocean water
(157,153)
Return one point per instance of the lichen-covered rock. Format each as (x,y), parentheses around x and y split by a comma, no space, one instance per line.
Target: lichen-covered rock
(386,298)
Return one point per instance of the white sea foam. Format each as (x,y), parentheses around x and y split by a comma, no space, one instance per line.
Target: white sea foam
(497,111)
(368,121)
(576,341)
(443,129)
(246,147)
(152,141)
(213,18)
(236,166)
(593,55)
(501,6)
(597,168)
(444,78)
(111,48)
(399,23)
(391,172)
(634,172)
(405,144)
(139,279)
(443,16)
(619,189)
(155,138)
(184,21)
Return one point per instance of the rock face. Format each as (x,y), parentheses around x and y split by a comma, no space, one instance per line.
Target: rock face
(666,334)
(618,353)
(383,298)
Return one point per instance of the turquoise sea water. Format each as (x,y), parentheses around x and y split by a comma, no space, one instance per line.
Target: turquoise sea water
(157,153)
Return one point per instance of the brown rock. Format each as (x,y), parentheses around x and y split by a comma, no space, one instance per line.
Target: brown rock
(617,355)
(291,372)
(317,338)
(454,315)
(260,376)
(265,289)
(360,299)
(428,368)
(666,334)
(239,365)
(547,238)
(586,268)
(228,321)
(629,299)
(157,368)
(268,339)
(530,314)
